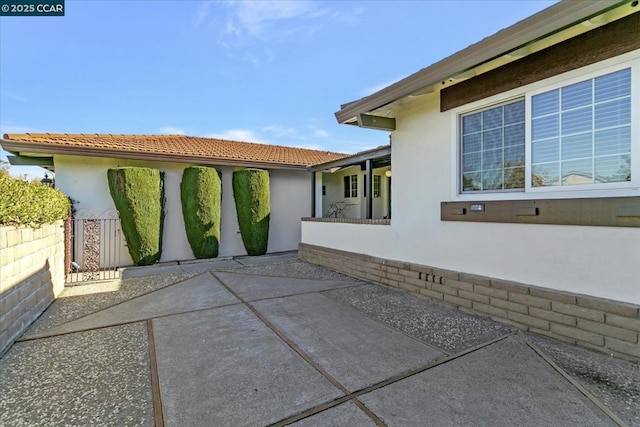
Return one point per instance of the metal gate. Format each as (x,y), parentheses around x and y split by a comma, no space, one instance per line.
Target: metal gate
(93,249)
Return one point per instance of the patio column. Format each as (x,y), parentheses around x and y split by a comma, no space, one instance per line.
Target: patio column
(317,194)
(313,194)
(369,184)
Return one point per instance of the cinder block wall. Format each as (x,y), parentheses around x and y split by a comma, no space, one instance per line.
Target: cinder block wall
(31,275)
(603,325)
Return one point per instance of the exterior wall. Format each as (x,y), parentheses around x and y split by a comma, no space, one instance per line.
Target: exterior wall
(603,325)
(31,275)
(334,184)
(597,261)
(85,180)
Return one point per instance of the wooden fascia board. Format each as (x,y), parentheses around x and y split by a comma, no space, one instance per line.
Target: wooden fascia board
(20,146)
(536,27)
(376,122)
(352,160)
(30,161)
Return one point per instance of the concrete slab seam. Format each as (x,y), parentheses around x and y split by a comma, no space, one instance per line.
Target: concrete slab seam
(239,261)
(204,261)
(155,379)
(344,304)
(573,382)
(300,293)
(313,411)
(117,304)
(381,384)
(44,335)
(232,271)
(302,354)
(435,363)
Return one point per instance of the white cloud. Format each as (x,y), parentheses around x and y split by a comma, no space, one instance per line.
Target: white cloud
(371,90)
(255,18)
(281,131)
(306,136)
(203,12)
(170,130)
(245,135)
(256,27)
(16,97)
(307,146)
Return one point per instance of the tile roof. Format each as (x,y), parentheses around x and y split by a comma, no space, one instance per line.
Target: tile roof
(172,147)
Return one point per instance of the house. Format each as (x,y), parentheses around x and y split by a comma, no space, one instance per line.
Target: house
(81,162)
(516,179)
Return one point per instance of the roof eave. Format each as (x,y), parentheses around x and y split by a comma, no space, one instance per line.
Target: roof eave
(542,24)
(17,147)
(353,159)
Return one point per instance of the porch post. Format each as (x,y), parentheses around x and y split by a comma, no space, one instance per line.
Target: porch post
(317,194)
(369,184)
(313,194)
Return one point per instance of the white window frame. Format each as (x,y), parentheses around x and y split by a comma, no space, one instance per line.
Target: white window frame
(377,186)
(612,189)
(461,157)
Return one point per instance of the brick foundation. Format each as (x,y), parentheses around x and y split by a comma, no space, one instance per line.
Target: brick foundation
(603,325)
(31,275)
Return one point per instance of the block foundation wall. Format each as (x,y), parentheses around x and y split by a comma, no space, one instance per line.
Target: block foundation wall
(606,326)
(31,276)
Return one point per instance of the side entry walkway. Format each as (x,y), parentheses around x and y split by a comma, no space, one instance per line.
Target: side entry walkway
(272,340)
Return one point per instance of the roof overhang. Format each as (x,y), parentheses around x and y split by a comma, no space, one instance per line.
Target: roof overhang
(44,162)
(557,23)
(29,149)
(354,159)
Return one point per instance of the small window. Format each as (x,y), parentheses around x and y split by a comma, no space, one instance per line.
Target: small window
(377,179)
(324,190)
(351,186)
(493,154)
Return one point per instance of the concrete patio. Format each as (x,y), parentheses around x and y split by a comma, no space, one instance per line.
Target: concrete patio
(275,341)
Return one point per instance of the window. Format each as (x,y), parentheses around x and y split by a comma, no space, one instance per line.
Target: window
(581,133)
(351,186)
(493,148)
(578,133)
(377,179)
(324,190)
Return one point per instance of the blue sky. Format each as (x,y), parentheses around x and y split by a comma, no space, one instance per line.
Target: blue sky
(272,72)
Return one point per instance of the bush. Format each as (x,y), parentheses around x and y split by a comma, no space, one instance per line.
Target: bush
(138,194)
(30,204)
(251,193)
(201,196)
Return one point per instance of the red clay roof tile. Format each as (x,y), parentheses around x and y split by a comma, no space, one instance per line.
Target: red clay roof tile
(181,145)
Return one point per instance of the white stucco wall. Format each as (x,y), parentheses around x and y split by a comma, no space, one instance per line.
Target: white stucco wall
(598,261)
(357,208)
(85,179)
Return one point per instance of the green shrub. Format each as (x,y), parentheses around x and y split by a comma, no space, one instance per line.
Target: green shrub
(201,195)
(251,193)
(138,194)
(30,204)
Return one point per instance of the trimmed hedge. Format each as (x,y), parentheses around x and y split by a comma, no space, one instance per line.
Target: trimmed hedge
(251,194)
(30,204)
(138,194)
(201,196)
